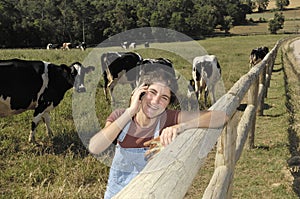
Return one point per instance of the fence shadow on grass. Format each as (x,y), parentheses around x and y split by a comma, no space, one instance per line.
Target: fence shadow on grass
(294,140)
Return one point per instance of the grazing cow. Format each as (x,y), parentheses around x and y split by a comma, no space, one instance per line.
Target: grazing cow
(132,45)
(206,73)
(37,85)
(82,46)
(148,65)
(66,46)
(125,45)
(257,55)
(114,65)
(52,46)
(145,65)
(163,61)
(146,44)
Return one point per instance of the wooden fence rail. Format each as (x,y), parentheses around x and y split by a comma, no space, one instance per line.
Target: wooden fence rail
(171,172)
(235,134)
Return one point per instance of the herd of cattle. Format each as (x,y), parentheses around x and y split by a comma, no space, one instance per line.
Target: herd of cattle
(67,46)
(82,46)
(40,86)
(127,45)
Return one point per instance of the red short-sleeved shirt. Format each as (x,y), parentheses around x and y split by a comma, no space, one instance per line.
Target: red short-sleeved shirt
(137,135)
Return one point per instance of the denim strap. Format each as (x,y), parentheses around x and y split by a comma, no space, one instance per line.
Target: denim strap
(125,131)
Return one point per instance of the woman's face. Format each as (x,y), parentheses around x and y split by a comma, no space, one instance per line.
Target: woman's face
(156,99)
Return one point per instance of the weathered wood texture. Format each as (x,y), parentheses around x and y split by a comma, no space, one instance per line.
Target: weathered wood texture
(170,173)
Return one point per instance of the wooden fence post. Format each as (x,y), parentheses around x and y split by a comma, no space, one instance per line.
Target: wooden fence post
(226,149)
(269,70)
(268,77)
(262,89)
(252,99)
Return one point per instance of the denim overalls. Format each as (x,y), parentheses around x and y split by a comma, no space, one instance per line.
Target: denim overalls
(127,163)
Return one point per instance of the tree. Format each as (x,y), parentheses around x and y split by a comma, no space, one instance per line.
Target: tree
(276,23)
(281,4)
(262,5)
(203,20)
(237,12)
(177,22)
(227,25)
(9,18)
(143,13)
(33,23)
(248,6)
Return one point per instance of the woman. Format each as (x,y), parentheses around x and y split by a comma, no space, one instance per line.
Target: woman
(146,117)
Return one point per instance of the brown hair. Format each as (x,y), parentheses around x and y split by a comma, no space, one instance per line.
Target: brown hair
(162,74)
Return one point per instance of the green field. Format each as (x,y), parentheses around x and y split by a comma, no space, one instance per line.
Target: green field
(291,24)
(61,167)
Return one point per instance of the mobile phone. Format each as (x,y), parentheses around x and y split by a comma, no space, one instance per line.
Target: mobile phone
(142,94)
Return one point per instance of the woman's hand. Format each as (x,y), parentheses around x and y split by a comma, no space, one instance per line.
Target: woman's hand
(135,99)
(170,133)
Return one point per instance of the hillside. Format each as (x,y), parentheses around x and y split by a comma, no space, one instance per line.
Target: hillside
(293,4)
(260,24)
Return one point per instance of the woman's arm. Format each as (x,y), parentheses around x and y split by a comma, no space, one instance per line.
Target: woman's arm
(101,140)
(202,119)
(189,120)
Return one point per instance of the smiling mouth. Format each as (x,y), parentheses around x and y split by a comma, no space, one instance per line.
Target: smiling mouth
(153,107)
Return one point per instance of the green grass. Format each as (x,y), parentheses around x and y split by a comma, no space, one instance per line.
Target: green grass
(61,167)
(263,171)
(266,165)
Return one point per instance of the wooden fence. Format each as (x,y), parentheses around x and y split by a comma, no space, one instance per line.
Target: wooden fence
(171,172)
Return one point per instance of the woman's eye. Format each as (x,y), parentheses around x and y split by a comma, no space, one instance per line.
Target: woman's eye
(165,98)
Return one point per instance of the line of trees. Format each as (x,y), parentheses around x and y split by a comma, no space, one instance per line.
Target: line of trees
(34,23)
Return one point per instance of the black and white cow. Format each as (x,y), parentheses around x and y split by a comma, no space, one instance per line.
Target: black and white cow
(132,45)
(125,45)
(206,73)
(162,65)
(52,46)
(147,44)
(115,65)
(162,61)
(257,55)
(37,85)
(82,46)
(148,65)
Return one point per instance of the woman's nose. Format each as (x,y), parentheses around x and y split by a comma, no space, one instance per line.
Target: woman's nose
(156,99)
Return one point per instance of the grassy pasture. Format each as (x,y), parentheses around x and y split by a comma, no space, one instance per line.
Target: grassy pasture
(293,4)
(61,167)
(291,24)
(289,14)
(262,28)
